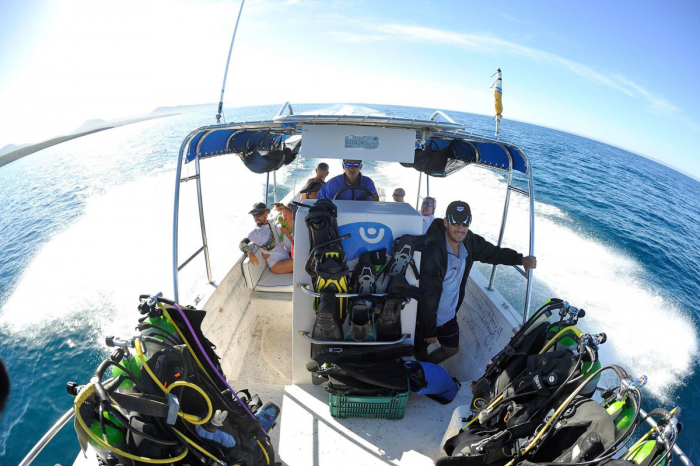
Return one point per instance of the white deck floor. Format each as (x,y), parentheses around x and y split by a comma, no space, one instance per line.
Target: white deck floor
(253,332)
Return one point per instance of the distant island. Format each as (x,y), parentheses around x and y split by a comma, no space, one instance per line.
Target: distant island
(12,152)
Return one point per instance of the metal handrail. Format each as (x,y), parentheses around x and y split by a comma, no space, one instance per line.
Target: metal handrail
(676,449)
(530,193)
(442,114)
(518,190)
(316,294)
(307,336)
(50,434)
(504,218)
(286,105)
(196,253)
(367,121)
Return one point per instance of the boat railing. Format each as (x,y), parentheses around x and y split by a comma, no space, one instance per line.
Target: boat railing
(676,449)
(50,434)
(316,294)
(285,106)
(307,336)
(442,114)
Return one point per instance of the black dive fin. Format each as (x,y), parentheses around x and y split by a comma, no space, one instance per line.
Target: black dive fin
(362,327)
(389,321)
(327,326)
(364,276)
(399,288)
(403,249)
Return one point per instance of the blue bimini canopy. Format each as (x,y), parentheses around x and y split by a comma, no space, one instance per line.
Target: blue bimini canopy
(442,157)
(260,151)
(441,148)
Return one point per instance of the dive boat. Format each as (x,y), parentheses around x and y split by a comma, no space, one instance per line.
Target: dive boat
(261,323)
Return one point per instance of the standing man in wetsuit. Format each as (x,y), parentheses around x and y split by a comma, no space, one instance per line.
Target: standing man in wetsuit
(351,177)
(445,267)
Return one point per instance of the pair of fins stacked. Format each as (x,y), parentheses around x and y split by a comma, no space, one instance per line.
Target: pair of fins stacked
(367,370)
(358,370)
(327,264)
(374,275)
(372,318)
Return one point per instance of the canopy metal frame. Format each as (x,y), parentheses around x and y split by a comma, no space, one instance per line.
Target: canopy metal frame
(291,124)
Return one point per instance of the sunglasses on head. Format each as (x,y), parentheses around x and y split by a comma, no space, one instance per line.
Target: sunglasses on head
(352,164)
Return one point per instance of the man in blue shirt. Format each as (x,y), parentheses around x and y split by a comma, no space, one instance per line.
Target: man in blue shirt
(445,266)
(354,181)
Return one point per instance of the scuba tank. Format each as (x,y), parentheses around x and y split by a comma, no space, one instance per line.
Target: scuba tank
(114,432)
(532,338)
(656,446)
(174,412)
(155,324)
(577,430)
(568,340)
(621,411)
(128,364)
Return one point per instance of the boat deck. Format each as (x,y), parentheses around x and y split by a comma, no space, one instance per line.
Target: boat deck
(253,333)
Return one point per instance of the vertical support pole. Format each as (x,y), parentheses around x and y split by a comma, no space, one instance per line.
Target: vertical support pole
(503,226)
(427,185)
(274,185)
(528,294)
(201,217)
(267,188)
(176,214)
(420,178)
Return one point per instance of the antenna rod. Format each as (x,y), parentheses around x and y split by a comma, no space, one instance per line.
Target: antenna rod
(223,87)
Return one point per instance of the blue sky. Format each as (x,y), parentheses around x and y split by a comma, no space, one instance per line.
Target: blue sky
(620,72)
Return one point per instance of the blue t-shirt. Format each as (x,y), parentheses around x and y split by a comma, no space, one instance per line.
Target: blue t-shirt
(335,184)
(450,284)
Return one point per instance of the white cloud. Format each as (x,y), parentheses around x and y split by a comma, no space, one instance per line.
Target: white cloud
(489,44)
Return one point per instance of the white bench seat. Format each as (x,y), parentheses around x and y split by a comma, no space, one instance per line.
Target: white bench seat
(260,278)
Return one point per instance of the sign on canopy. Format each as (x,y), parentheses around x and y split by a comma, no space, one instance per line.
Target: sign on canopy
(358,143)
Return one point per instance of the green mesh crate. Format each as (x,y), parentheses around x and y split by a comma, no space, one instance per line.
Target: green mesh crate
(377,407)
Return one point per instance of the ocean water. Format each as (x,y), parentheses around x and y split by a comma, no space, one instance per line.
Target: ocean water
(86,227)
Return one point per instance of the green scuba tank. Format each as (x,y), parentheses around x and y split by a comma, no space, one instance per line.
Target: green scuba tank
(133,365)
(565,342)
(160,325)
(159,328)
(639,454)
(588,369)
(114,430)
(621,411)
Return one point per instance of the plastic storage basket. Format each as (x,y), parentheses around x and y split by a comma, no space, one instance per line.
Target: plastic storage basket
(377,407)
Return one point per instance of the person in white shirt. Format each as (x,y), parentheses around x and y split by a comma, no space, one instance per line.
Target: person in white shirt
(427,210)
(270,239)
